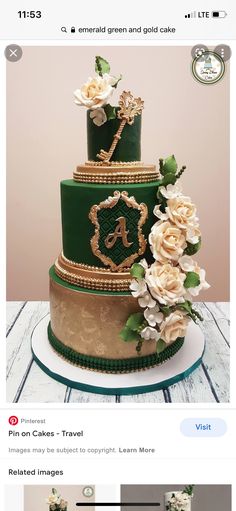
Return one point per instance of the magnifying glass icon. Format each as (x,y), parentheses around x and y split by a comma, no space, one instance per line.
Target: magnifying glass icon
(63,29)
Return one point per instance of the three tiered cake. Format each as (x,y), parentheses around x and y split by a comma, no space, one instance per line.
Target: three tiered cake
(118,302)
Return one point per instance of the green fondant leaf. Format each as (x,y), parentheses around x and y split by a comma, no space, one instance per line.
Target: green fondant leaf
(188,489)
(165,310)
(168,179)
(192,279)
(192,249)
(110,112)
(135,321)
(161,345)
(137,271)
(169,166)
(101,66)
(129,335)
(187,306)
(192,313)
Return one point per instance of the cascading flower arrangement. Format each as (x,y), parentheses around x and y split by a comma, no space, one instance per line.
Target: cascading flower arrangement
(164,289)
(55,502)
(97,91)
(180,500)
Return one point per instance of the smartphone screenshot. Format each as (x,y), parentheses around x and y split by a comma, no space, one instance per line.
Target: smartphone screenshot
(117,384)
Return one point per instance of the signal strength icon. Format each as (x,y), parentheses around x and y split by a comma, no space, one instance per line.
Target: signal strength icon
(191,15)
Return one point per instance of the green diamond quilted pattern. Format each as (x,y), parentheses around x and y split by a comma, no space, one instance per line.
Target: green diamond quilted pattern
(107,219)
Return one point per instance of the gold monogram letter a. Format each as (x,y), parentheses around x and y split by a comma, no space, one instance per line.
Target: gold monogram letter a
(120,232)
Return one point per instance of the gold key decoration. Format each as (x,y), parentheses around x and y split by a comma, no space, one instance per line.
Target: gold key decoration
(129,108)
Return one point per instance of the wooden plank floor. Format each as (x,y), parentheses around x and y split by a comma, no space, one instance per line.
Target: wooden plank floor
(27,383)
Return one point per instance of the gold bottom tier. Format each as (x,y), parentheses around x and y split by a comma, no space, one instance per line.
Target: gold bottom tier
(90,323)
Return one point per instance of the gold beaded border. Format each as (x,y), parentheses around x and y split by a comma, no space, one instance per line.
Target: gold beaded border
(99,284)
(111,372)
(119,173)
(84,270)
(82,265)
(121,177)
(93,163)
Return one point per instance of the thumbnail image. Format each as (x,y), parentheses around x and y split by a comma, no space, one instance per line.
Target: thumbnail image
(177,497)
(42,497)
(122,320)
(60,498)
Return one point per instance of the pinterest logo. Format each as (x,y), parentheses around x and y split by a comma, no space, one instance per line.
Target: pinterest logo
(13,420)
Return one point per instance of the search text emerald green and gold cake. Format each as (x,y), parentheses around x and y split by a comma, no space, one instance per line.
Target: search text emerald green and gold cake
(107,217)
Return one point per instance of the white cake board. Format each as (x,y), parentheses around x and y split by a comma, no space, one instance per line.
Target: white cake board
(175,369)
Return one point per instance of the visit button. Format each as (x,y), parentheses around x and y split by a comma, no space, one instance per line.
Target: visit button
(200,427)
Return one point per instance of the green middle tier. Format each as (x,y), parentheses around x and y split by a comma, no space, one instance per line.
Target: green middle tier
(77,229)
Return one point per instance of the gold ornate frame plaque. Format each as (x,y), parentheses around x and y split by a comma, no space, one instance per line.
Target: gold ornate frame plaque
(110,202)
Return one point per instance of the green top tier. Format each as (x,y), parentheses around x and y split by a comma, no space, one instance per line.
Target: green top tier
(101,137)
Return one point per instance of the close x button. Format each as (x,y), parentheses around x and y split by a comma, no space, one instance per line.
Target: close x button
(13,52)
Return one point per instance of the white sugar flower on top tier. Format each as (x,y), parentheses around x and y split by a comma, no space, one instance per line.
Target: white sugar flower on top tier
(96,92)
(98,116)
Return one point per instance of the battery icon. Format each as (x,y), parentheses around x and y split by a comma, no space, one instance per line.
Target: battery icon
(219,14)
